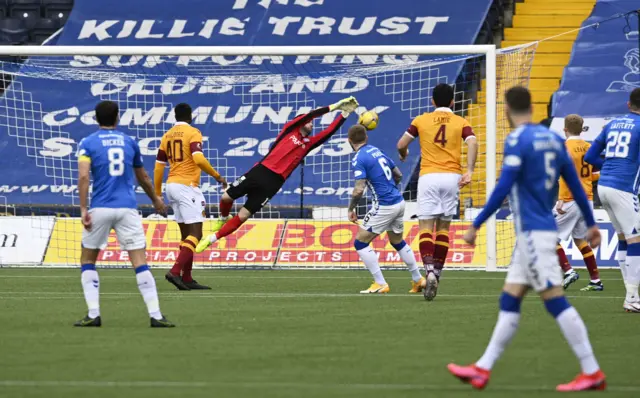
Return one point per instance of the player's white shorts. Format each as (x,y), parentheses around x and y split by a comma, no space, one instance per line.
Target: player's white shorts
(535,261)
(381,219)
(126,222)
(571,223)
(623,210)
(438,195)
(187,203)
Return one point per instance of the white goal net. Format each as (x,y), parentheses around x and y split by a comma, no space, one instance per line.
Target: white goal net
(241,98)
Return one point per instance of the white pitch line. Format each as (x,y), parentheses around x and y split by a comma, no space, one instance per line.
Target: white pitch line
(300,385)
(62,295)
(240,276)
(353,386)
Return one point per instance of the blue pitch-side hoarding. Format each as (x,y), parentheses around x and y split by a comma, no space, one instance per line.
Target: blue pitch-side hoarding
(605,254)
(45,119)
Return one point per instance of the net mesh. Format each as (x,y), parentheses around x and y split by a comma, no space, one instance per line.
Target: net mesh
(289,231)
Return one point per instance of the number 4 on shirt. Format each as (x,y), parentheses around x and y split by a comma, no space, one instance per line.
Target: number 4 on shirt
(441,136)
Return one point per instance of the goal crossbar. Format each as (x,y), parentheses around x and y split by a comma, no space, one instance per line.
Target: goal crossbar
(245,50)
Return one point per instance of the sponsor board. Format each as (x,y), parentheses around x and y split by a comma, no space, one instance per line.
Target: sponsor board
(23,240)
(605,254)
(297,243)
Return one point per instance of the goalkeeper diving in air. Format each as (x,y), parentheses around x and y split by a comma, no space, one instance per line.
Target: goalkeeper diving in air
(265,179)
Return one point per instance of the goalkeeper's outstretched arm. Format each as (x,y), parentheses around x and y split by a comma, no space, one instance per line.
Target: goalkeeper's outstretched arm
(348,104)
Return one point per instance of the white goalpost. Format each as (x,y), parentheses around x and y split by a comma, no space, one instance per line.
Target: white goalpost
(269,86)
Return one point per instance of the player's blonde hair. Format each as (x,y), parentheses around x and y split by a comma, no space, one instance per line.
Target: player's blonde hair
(573,124)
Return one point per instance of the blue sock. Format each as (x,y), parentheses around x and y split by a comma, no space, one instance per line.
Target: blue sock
(622,245)
(359,245)
(141,268)
(509,303)
(557,305)
(399,246)
(87,267)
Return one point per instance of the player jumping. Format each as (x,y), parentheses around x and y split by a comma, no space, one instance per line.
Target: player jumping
(441,133)
(112,158)
(374,170)
(266,178)
(181,148)
(534,156)
(618,191)
(568,217)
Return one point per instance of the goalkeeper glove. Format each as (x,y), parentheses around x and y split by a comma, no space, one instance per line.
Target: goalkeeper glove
(346,105)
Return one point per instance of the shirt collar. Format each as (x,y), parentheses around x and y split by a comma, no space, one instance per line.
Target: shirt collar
(574,137)
(444,109)
(181,123)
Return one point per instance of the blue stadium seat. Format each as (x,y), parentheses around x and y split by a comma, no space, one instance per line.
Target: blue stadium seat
(13,31)
(44,28)
(57,9)
(28,10)
(4,8)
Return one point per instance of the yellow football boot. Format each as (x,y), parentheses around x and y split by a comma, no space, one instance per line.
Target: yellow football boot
(417,287)
(204,243)
(376,289)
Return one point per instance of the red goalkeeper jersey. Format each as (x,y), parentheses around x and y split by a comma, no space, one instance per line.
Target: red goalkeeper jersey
(291,146)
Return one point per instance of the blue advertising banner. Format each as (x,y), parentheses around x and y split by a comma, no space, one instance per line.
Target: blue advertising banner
(605,254)
(604,66)
(48,108)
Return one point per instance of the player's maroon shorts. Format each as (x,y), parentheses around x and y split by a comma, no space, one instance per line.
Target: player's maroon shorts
(259,185)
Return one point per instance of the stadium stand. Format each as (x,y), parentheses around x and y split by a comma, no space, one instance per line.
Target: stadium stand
(13,31)
(535,20)
(605,64)
(540,19)
(31,21)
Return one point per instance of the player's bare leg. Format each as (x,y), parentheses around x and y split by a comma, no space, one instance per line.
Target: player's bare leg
(427,248)
(570,275)
(595,284)
(418,282)
(370,259)
(147,287)
(90,287)
(173,276)
(229,227)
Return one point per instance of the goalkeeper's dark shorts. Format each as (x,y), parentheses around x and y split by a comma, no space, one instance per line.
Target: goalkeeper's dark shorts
(259,185)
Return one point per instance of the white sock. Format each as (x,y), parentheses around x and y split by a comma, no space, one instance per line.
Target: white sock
(406,254)
(622,262)
(147,287)
(575,332)
(370,260)
(632,272)
(503,333)
(91,288)
(213,238)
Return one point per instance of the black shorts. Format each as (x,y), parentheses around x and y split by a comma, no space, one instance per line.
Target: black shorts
(259,185)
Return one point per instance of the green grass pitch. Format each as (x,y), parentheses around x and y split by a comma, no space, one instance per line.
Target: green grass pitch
(294,334)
